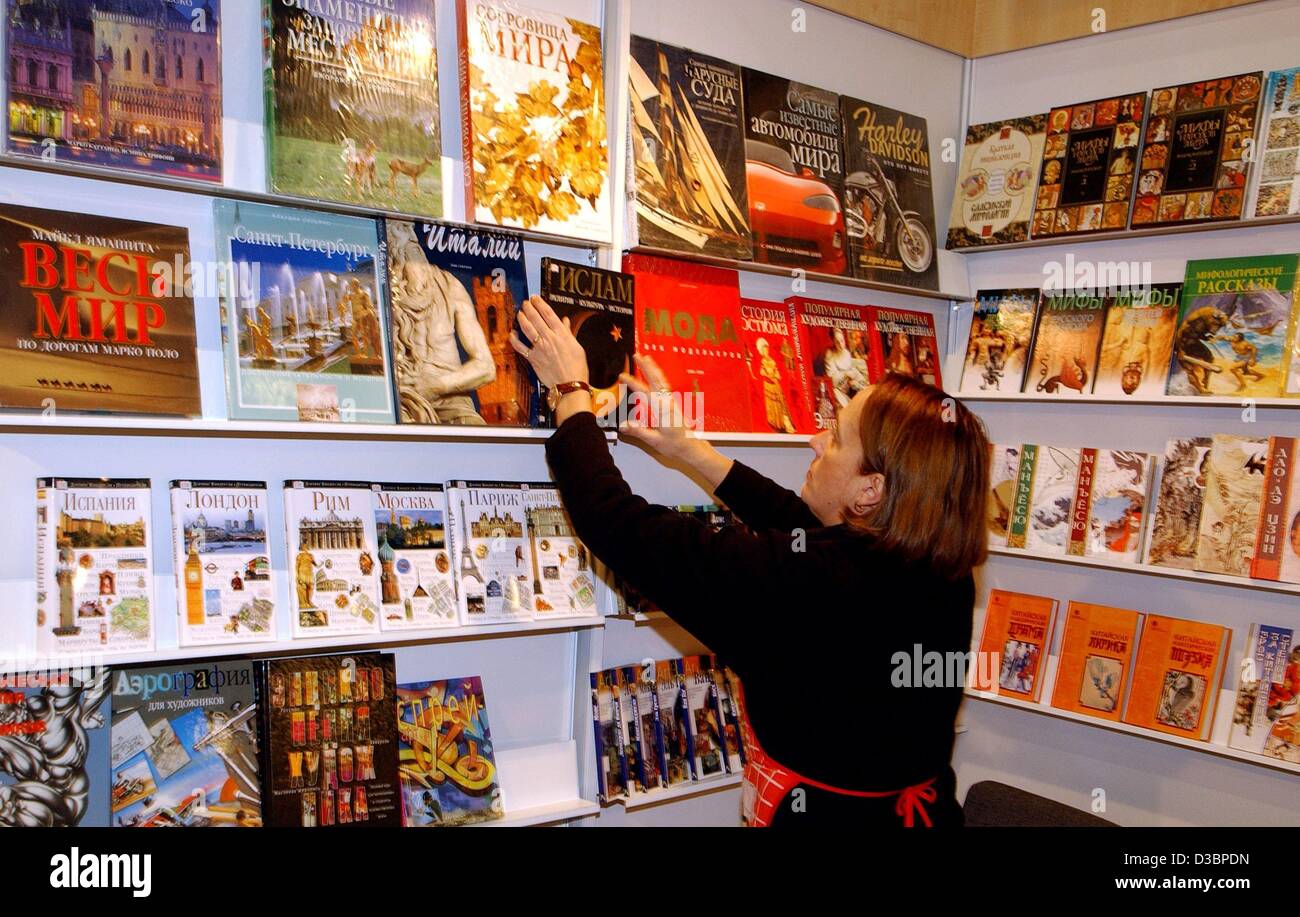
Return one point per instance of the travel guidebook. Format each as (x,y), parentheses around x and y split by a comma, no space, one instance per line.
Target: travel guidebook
(351,96)
(562,581)
(1067,339)
(1277,190)
(129,84)
(996,183)
(1002,328)
(417,585)
(1138,341)
(492,552)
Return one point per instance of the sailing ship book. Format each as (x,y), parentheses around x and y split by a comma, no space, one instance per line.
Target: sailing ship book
(994,201)
(453,292)
(96,317)
(490,542)
(417,585)
(688,149)
(532,105)
(1277,180)
(184,747)
(1067,340)
(351,98)
(1002,328)
(304,331)
(128,84)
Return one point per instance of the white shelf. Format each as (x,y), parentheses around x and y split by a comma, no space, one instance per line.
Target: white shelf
(1121,235)
(1209,401)
(681,791)
(548,814)
(753,439)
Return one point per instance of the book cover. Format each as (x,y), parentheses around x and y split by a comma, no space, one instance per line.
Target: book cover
(688,151)
(1277,192)
(794,172)
(417,585)
(1022,496)
(996,181)
(601,308)
(1234,490)
(532,102)
(184,747)
(352,103)
(1289,531)
(1194,165)
(1018,634)
(489,535)
(837,354)
(1002,328)
(1234,327)
(1055,484)
(446,766)
(1175,686)
(560,575)
(1089,164)
(1137,342)
(1004,470)
(1266,717)
(1275,509)
(649,728)
(94,566)
(1096,660)
(329,741)
(708,750)
(128,84)
(225,586)
(688,320)
(1179,497)
(1067,339)
(672,718)
(55,730)
(1117,504)
(453,293)
(330,543)
(96,315)
(729,700)
(907,344)
(612,773)
(775,387)
(305,334)
(888,196)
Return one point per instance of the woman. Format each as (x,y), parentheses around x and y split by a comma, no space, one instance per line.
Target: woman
(828,605)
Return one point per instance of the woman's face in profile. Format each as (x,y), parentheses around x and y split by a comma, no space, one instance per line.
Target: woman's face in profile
(834,481)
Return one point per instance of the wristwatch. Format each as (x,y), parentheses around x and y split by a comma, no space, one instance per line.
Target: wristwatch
(559,390)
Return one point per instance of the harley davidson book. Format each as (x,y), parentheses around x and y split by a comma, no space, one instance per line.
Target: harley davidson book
(1067,338)
(1175,687)
(417,585)
(1096,663)
(1138,341)
(1002,328)
(994,201)
(1277,180)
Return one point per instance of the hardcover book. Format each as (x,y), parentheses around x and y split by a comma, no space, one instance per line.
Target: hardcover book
(225,586)
(95,317)
(417,585)
(489,539)
(906,344)
(1277,540)
(561,577)
(1277,191)
(1018,634)
(1089,163)
(94,566)
(446,765)
(1138,341)
(1096,664)
(1180,496)
(532,105)
(304,331)
(352,103)
(330,543)
(995,184)
(1234,490)
(794,172)
(1266,717)
(1067,339)
(688,150)
(184,747)
(1055,485)
(775,384)
(453,293)
(1002,328)
(128,84)
(1175,686)
(837,353)
(1004,470)
(672,718)
(888,196)
(1194,165)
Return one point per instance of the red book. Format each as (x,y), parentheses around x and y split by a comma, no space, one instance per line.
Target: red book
(775,389)
(835,352)
(1274,535)
(688,320)
(1081,509)
(907,344)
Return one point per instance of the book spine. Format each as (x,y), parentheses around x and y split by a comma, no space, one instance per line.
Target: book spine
(178,562)
(683,704)
(660,750)
(1018,527)
(47,607)
(268,96)
(1026,373)
(1273,512)
(1081,506)
(805,383)
(466,116)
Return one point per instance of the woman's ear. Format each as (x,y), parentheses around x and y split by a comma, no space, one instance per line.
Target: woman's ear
(869,494)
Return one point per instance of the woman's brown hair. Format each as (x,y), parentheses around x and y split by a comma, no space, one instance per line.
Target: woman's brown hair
(934,455)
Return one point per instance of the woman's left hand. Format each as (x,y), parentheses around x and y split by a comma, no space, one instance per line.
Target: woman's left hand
(556,356)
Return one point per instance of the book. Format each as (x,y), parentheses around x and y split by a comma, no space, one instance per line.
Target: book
(647,725)
(453,292)
(1018,635)
(794,173)
(1175,686)
(96,315)
(1004,470)
(688,151)
(601,308)
(1277,180)
(1137,341)
(446,766)
(304,332)
(133,86)
(907,344)
(1067,339)
(417,585)
(834,344)
(351,98)
(672,719)
(1051,501)
(94,566)
(561,577)
(705,741)
(532,105)
(1234,327)
(687,319)
(330,543)
(329,741)
(225,586)
(1194,164)
(1002,328)
(1266,716)
(729,699)
(1089,163)
(1118,482)
(629,725)
(1278,533)
(613,778)
(994,201)
(1022,496)
(888,196)
(1096,661)
(55,729)
(184,747)
(1180,496)
(775,387)
(1234,490)
(489,536)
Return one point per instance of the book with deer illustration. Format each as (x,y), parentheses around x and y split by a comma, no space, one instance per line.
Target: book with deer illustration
(1179,497)
(1002,328)
(490,547)
(1138,341)
(1018,634)
(417,583)
(996,182)
(1277,178)
(1067,339)
(1176,676)
(1234,490)
(1266,717)
(1096,661)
